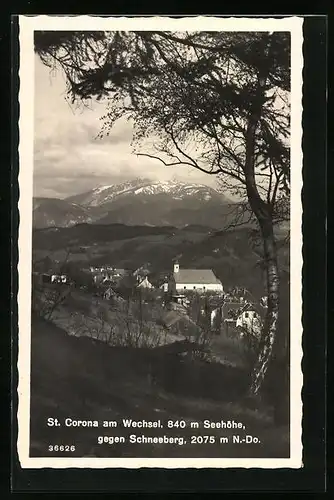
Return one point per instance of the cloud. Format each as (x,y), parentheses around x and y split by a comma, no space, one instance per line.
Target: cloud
(68,157)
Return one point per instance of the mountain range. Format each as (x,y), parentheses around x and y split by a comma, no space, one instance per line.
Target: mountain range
(137,202)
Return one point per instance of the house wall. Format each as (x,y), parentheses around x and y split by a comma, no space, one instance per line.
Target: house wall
(251,323)
(213,287)
(56,278)
(247,316)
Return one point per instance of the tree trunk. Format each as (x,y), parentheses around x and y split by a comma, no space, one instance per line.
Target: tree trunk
(263,212)
(271,320)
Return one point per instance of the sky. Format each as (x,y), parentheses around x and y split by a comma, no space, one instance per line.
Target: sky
(69,159)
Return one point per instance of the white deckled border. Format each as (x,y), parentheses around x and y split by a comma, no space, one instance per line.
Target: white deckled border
(29,24)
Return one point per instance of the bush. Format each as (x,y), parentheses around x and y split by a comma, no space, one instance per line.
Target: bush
(47,299)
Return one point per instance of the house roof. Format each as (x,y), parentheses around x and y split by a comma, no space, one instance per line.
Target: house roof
(233,305)
(228,306)
(251,307)
(200,276)
(170,318)
(145,282)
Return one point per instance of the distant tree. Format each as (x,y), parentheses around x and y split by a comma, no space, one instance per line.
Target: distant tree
(215,101)
(195,307)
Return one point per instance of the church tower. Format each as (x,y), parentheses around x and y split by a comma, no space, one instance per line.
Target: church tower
(176,266)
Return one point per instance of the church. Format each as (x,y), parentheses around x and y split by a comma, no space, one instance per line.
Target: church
(200,280)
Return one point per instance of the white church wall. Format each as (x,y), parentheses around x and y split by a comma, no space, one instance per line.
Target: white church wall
(213,287)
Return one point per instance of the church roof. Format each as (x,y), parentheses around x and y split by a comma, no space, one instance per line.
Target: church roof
(198,276)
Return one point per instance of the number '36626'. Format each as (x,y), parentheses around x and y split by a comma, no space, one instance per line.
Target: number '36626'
(61,447)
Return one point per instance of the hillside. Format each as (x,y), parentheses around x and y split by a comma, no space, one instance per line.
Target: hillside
(115,385)
(231,254)
(52,212)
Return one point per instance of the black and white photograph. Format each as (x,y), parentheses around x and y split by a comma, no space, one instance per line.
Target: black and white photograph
(160,244)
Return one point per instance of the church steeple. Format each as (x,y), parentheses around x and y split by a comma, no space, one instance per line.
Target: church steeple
(176,266)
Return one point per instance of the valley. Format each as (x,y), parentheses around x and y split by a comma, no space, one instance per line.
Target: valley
(145,228)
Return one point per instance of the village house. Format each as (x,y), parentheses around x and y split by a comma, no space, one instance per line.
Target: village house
(59,278)
(160,279)
(180,298)
(249,321)
(199,280)
(178,322)
(103,276)
(109,293)
(100,279)
(110,270)
(230,312)
(144,283)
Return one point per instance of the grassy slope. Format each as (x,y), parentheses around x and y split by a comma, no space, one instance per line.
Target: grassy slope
(83,379)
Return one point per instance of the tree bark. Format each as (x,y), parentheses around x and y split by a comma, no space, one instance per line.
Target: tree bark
(271,321)
(263,212)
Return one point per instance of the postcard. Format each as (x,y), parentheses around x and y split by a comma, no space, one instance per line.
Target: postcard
(160,242)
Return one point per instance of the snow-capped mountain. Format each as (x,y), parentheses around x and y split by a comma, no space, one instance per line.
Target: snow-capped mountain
(104,194)
(144,187)
(137,202)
